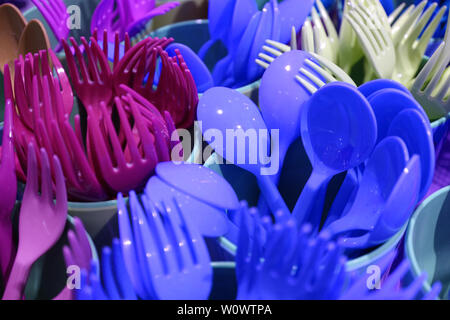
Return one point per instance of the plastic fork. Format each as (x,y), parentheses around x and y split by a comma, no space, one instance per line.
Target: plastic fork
(8,190)
(332,73)
(321,39)
(290,264)
(374,38)
(116,48)
(58,137)
(123,169)
(41,221)
(94,83)
(55,13)
(414,40)
(180,266)
(433,95)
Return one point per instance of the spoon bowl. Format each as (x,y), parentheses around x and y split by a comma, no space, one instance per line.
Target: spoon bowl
(415,131)
(12,24)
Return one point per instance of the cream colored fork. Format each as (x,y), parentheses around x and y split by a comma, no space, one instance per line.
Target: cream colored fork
(322,38)
(327,69)
(433,96)
(273,49)
(374,38)
(411,42)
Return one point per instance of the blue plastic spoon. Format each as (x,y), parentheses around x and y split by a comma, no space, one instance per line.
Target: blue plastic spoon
(387,104)
(416,132)
(335,143)
(210,220)
(382,171)
(368,88)
(395,213)
(225,114)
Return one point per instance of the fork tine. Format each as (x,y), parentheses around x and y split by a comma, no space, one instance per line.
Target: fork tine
(340,74)
(312,77)
(308,37)
(406,20)
(125,126)
(426,71)
(31,186)
(293,38)
(414,33)
(60,185)
(373,27)
(429,31)
(328,77)
(360,29)
(331,30)
(396,13)
(92,64)
(80,59)
(183,252)
(443,62)
(442,93)
(306,84)
(318,25)
(168,258)
(73,70)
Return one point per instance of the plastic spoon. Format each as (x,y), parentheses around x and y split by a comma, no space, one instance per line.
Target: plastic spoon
(221,110)
(220,14)
(12,24)
(34,38)
(199,182)
(202,77)
(346,194)
(397,210)
(211,221)
(293,13)
(416,132)
(387,104)
(338,142)
(380,176)
(243,12)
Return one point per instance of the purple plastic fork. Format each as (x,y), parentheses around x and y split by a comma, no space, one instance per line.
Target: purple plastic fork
(41,221)
(55,13)
(8,191)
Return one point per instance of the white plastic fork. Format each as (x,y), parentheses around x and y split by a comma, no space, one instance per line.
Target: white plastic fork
(434,95)
(327,69)
(374,38)
(274,49)
(412,39)
(312,83)
(321,38)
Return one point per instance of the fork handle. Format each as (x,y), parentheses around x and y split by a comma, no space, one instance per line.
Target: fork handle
(17,281)
(8,249)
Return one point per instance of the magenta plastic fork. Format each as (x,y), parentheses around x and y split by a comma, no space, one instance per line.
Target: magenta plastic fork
(122,174)
(8,192)
(94,83)
(55,13)
(41,221)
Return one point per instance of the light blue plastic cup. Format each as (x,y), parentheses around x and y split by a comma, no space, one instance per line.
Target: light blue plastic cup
(427,244)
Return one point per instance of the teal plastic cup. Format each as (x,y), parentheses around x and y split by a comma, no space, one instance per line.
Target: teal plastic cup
(427,244)
(194,34)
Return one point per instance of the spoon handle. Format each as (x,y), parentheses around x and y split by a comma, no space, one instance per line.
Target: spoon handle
(17,281)
(308,199)
(205,48)
(272,195)
(343,199)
